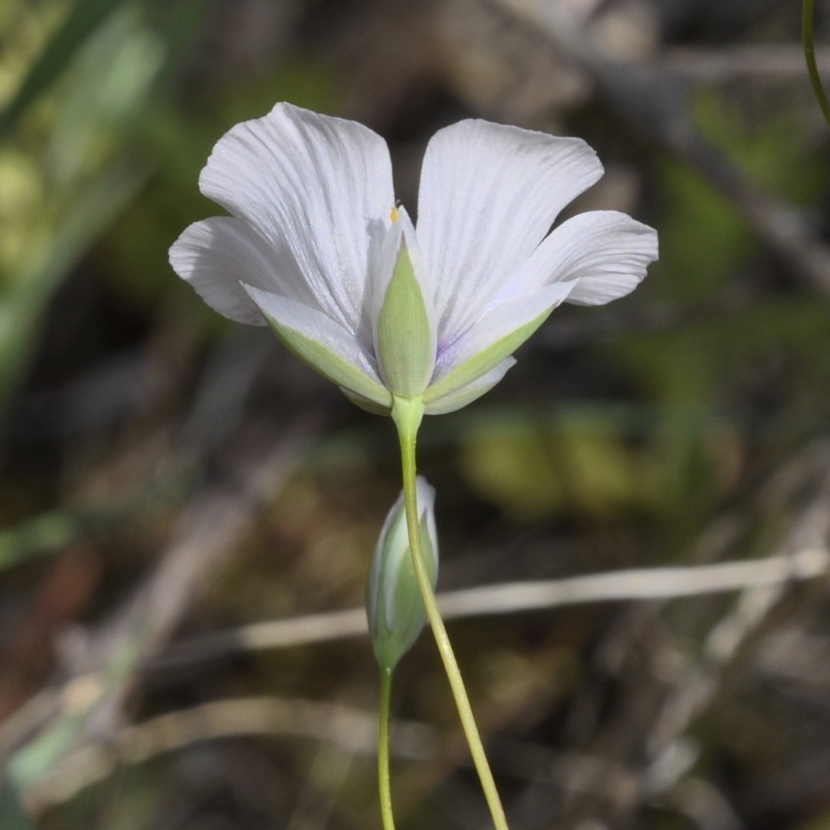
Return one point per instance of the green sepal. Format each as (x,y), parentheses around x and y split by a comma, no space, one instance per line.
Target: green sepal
(484,361)
(465,394)
(404,335)
(364,403)
(330,365)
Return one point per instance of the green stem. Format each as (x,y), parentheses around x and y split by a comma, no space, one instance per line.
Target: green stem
(808,13)
(407,415)
(383,750)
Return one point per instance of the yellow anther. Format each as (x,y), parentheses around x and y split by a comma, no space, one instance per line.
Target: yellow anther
(395,214)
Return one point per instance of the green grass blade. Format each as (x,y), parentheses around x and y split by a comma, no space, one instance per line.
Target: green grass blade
(808,12)
(82,20)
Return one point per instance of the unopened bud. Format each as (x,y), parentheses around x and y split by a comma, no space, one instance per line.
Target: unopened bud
(393,600)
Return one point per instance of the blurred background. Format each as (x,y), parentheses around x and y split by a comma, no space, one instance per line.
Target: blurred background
(169,479)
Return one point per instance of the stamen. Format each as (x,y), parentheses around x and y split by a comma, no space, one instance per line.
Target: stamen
(395,214)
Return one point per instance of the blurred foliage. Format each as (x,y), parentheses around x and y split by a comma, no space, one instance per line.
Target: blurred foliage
(572,461)
(12,815)
(622,451)
(66,173)
(695,431)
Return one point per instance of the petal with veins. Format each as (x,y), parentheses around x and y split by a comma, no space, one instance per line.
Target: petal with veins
(316,184)
(215,255)
(489,193)
(604,253)
(322,343)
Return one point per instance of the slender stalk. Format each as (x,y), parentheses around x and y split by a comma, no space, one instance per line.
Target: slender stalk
(384,786)
(808,14)
(407,415)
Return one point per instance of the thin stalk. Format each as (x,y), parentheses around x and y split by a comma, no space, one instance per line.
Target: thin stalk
(384,786)
(808,14)
(407,415)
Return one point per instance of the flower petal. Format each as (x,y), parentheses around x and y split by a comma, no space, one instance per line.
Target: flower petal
(320,186)
(604,253)
(216,254)
(496,336)
(489,194)
(325,345)
(472,391)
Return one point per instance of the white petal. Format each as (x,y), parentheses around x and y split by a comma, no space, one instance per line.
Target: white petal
(215,255)
(605,253)
(339,356)
(498,324)
(320,186)
(472,391)
(489,194)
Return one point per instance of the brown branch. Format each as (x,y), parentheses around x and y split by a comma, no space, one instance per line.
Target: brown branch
(768,61)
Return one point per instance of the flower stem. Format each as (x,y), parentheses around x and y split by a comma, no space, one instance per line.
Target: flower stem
(808,13)
(383,750)
(407,415)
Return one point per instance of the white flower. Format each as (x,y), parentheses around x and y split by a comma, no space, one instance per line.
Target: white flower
(316,247)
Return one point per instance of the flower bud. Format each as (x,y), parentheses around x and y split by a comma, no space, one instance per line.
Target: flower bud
(393,600)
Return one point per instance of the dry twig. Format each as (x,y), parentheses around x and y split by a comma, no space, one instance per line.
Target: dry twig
(654,102)
(508,598)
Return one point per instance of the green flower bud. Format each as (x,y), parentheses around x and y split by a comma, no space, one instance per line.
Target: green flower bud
(393,600)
